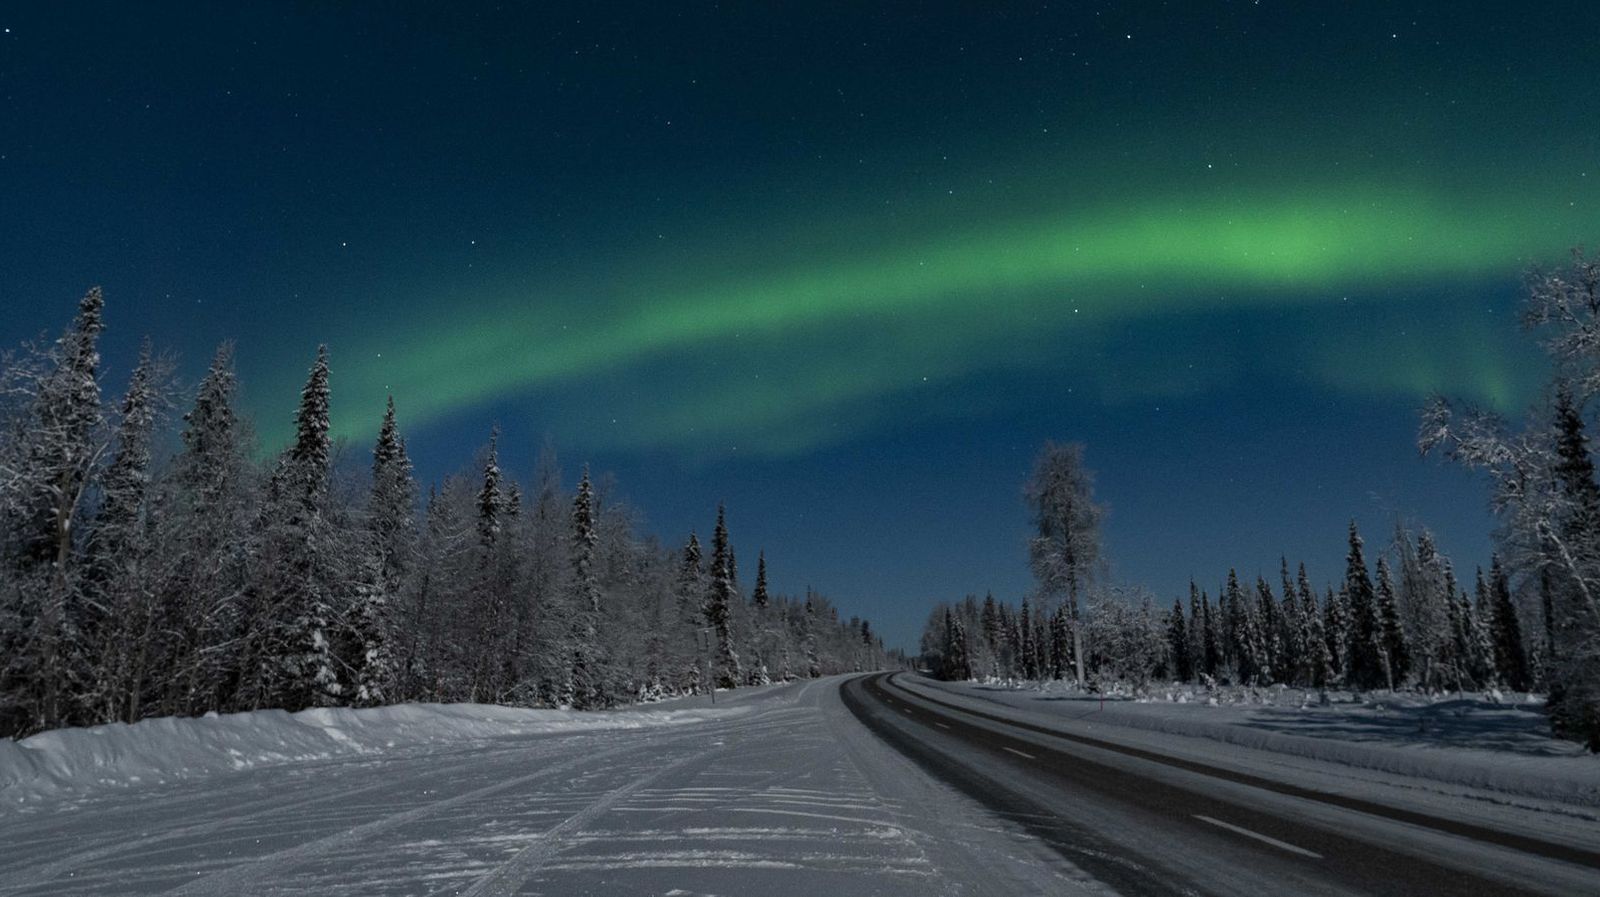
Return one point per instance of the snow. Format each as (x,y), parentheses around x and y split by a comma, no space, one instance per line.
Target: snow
(172,749)
(780,792)
(1464,740)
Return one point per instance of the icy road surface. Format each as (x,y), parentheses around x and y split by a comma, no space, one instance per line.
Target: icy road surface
(793,797)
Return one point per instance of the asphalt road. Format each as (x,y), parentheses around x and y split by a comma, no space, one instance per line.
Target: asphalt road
(1144,822)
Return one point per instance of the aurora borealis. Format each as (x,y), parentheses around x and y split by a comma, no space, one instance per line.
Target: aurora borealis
(844,265)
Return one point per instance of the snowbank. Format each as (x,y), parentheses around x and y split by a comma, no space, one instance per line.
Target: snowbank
(1469,740)
(156,751)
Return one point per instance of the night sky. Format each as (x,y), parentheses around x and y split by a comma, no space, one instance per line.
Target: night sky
(843,267)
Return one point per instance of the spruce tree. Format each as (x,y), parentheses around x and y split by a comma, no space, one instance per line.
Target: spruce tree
(1291,670)
(392,501)
(1336,634)
(1272,650)
(1366,667)
(719,605)
(1211,652)
(290,655)
(759,598)
(1392,636)
(588,678)
(1319,660)
(205,566)
(488,597)
(390,520)
(1245,633)
(690,591)
(1484,671)
(1060,645)
(119,619)
(315,678)
(808,637)
(1030,659)
(59,450)
(1178,641)
(1505,630)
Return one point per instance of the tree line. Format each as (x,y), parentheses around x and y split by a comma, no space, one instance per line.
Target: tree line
(1531,622)
(1410,626)
(138,582)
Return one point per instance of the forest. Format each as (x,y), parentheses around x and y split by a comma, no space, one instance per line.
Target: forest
(1402,618)
(144,575)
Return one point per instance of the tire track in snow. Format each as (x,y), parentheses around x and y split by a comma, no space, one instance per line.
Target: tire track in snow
(509,877)
(236,818)
(240,878)
(34,875)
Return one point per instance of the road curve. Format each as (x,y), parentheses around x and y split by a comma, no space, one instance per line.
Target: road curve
(1149,823)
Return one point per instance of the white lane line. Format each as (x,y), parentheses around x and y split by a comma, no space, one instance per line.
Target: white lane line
(941,725)
(908,711)
(1019,753)
(1259,837)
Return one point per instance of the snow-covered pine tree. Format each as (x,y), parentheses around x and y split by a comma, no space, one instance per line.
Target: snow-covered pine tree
(491,612)
(1271,632)
(1510,657)
(1060,644)
(1291,670)
(589,681)
(1041,644)
(1029,658)
(390,525)
(720,600)
(808,637)
(298,664)
(202,559)
(120,618)
(763,642)
(1392,636)
(1366,668)
(1228,631)
(1336,634)
(1178,643)
(543,625)
(58,446)
(690,591)
(1319,661)
(990,620)
(1246,634)
(1479,647)
(391,505)
(289,657)
(759,598)
(1211,651)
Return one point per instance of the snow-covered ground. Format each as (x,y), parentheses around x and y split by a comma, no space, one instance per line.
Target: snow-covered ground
(168,750)
(776,791)
(1498,745)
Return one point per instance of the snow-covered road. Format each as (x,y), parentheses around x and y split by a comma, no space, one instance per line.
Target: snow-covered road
(793,797)
(839,787)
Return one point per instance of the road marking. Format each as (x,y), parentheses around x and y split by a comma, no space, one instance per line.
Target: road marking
(1019,753)
(941,725)
(1259,837)
(908,711)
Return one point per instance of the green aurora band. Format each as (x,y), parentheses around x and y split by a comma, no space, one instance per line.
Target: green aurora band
(878,321)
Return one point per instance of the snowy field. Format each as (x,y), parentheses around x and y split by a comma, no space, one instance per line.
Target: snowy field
(1495,744)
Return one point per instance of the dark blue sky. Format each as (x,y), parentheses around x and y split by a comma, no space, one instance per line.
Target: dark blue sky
(845,266)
